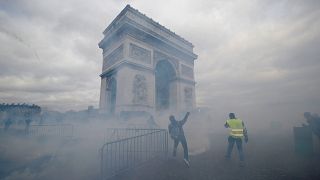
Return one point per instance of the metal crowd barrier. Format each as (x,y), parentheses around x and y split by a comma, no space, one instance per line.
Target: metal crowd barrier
(113,134)
(54,130)
(132,148)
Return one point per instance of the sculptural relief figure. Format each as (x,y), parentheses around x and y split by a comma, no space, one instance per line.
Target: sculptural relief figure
(140,91)
(140,54)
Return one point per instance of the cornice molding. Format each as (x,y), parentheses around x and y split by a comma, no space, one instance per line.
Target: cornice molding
(147,37)
(125,63)
(138,14)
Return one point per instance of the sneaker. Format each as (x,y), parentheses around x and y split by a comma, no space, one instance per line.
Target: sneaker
(186,162)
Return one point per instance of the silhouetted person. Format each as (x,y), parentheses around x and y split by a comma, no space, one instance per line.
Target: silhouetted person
(28,122)
(237,132)
(177,134)
(152,123)
(313,123)
(7,124)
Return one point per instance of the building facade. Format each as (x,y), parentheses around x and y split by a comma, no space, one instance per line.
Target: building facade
(146,67)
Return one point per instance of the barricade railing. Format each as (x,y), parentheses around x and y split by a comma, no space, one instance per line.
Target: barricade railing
(54,130)
(113,134)
(125,152)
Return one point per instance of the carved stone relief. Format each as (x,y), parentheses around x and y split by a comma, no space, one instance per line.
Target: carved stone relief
(113,57)
(140,54)
(109,79)
(186,71)
(140,90)
(188,97)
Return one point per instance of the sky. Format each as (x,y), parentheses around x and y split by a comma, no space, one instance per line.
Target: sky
(257,58)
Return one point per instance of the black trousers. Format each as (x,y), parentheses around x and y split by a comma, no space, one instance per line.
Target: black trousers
(184,144)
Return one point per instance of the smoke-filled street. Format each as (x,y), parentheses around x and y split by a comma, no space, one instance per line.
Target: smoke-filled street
(267,156)
(159,90)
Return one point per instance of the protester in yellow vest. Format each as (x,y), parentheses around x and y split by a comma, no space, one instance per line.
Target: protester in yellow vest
(237,132)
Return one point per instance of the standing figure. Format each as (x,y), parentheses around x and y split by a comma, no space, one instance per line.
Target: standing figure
(313,121)
(151,123)
(7,124)
(177,134)
(237,132)
(28,121)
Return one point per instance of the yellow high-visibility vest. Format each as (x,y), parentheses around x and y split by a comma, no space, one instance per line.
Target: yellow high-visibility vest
(236,126)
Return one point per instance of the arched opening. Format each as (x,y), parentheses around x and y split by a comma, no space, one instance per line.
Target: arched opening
(111,95)
(164,76)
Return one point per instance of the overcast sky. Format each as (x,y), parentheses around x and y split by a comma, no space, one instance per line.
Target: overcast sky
(254,57)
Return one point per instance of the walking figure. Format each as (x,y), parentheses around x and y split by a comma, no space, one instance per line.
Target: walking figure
(177,134)
(237,132)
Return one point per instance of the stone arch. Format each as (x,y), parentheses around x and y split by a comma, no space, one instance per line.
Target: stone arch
(165,89)
(162,57)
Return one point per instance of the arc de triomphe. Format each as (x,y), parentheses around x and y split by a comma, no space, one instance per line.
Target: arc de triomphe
(146,67)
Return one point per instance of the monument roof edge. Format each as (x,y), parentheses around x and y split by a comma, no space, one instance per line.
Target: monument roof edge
(117,18)
(150,20)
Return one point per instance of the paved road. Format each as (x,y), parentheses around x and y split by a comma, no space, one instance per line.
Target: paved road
(270,157)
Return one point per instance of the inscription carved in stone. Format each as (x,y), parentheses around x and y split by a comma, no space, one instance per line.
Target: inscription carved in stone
(140,90)
(140,54)
(113,57)
(186,71)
